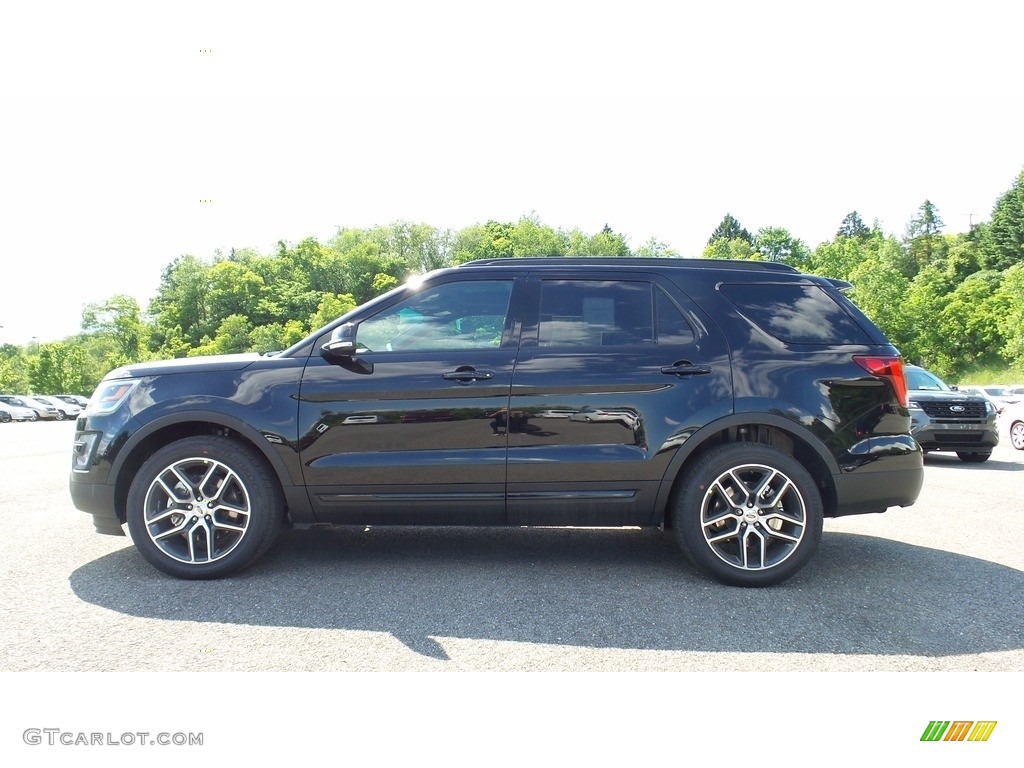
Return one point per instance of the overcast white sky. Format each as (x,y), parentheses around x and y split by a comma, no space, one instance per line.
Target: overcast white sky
(656,118)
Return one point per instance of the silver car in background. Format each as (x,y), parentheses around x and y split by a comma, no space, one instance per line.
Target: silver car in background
(17,413)
(43,410)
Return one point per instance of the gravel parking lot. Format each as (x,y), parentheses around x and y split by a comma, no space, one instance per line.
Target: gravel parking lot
(936,586)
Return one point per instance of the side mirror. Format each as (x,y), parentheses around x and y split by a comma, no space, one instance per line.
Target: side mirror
(342,348)
(342,343)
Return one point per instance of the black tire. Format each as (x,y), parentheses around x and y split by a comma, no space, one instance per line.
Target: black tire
(717,521)
(61,415)
(973,457)
(204,507)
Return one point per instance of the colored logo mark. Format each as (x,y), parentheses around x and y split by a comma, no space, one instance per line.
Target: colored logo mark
(958,730)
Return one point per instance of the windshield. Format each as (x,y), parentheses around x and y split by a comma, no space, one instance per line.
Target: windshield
(922,379)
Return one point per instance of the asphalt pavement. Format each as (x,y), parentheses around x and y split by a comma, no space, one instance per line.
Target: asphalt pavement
(936,586)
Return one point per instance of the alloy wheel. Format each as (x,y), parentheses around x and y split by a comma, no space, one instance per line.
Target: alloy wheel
(753,517)
(197,510)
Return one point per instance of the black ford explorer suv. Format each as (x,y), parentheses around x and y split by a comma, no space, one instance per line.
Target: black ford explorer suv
(736,403)
(945,419)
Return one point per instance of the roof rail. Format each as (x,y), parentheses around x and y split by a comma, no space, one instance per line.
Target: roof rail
(632,261)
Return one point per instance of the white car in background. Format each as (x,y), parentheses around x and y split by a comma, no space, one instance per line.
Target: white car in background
(74,400)
(996,394)
(1013,417)
(18,413)
(65,409)
(43,410)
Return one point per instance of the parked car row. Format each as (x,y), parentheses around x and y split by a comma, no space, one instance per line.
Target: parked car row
(1000,396)
(36,407)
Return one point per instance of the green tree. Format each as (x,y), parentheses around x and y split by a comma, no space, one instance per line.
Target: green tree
(332,306)
(13,369)
(1010,320)
(777,244)
(235,289)
(838,258)
(493,240)
(608,243)
(1002,239)
(880,290)
(854,227)
(730,229)
(656,249)
(737,248)
(532,238)
(179,309)
(923,235)
(120,319)
(968,325)
(420,246)
(59,367)
(232,337)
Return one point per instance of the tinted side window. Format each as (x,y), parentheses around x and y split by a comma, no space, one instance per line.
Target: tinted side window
(672,325)
(600,313)
(461,315)
(797,314)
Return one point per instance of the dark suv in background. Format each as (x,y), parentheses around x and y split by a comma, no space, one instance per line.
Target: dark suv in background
(736,403)
(945,419)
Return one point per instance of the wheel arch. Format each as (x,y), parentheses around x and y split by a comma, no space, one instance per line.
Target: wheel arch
(168,429)
(768,429)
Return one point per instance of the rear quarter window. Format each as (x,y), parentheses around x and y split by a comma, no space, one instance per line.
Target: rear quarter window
(795,313)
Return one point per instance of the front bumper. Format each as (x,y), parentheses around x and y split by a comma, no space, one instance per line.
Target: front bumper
(97,499)
(957,437)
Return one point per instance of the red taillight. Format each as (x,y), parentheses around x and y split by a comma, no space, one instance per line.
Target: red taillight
(888,367)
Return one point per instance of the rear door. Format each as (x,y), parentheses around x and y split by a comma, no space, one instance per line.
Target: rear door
(615,370)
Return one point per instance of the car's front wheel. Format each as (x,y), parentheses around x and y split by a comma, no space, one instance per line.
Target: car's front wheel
(748,515)
(1017,435)
(204,507)
(973,457)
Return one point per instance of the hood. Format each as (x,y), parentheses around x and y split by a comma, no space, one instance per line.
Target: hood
(185,365)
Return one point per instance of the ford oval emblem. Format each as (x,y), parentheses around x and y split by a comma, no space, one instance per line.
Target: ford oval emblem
(957,408)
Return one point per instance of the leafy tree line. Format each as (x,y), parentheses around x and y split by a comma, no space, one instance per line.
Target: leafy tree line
(950,302)
(953,303)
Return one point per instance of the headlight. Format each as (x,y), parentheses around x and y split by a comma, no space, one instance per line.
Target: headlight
(913,405)
(109,395)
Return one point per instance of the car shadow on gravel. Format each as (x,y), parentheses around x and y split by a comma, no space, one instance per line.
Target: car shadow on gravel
(592,588)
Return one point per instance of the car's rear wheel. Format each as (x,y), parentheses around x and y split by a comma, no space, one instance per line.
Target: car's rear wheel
(748,515)
(1017,435)
(973,457)
(204,507)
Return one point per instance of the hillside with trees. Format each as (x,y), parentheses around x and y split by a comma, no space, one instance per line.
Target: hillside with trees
(953,303)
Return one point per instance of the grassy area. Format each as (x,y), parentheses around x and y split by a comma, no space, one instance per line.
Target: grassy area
(992,375)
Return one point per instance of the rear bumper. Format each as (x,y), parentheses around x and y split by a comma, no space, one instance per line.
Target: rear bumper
(884,472)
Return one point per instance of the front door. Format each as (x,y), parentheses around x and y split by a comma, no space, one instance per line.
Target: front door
(413,429)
